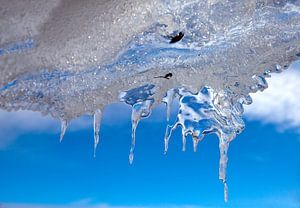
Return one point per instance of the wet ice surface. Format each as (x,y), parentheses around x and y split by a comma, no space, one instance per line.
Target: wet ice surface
(69,58)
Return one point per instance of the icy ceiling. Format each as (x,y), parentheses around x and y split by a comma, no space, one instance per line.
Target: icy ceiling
(73,57)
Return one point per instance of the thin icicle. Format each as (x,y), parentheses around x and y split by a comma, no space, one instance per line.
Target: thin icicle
(183,140)
(195,144)
(196,141)
(225,191)
(141,100)
(167,139)
(63,128)
(169,101)
(139,110)
(223,146)
(134,126)
(97,120)
(168,134)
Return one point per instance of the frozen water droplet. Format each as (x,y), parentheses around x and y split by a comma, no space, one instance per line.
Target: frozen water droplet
(267,73)
(261,83)
(278,68)
(97,120)
(246,100)
(63,128)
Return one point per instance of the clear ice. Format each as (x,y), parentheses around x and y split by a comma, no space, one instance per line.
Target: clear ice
(97,121)
(68,58)
(63,128)
(208,112)
(141,101)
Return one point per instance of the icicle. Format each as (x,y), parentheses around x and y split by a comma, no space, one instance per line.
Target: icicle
(97,120)
(196,140)
(225,191)
(63,128)
(224,141)
(167,139)
(169,101)
(139,110)
(195,144)
(135,118)
(183,140)
(168,134)
(141,100)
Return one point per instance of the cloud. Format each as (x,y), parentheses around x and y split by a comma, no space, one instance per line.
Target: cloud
(12,205)
(15,124)
(286,200)
(280,103)
(89,203)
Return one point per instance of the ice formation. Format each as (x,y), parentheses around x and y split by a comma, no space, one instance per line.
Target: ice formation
(67,58)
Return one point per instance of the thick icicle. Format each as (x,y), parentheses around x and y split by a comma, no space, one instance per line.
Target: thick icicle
(97,120)
(63,128)
(209,112)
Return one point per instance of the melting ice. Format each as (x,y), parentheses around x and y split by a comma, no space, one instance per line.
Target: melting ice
(69,58)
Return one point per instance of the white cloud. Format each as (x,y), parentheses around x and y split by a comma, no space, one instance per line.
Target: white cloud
(16,124)
(286,200)
(13,205)
(280,103)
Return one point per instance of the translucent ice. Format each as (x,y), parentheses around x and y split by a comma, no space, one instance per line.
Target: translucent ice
(97,120)
(63,128)
(208,112)
(141,101)
(67,58)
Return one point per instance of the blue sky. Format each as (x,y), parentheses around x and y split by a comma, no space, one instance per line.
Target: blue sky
(263,169)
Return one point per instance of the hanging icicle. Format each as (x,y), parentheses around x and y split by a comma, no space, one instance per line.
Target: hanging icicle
(97,121)
(63,127)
